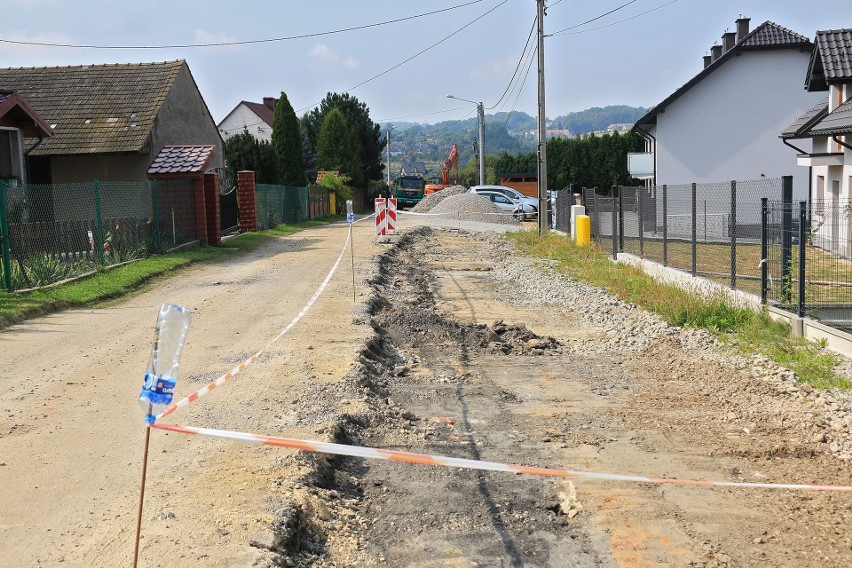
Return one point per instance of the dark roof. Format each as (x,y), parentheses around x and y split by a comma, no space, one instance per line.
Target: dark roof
(766,36)
(15,112)
(837,122)
(182,159)
(95,108)
(770,34)
(265,113)
(804,123)
(831,60)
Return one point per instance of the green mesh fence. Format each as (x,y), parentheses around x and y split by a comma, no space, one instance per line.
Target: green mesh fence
(277,204)
(58,231)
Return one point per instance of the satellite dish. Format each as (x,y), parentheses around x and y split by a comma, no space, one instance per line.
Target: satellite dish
(227,183)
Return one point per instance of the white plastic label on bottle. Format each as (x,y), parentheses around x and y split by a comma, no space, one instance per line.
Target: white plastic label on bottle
(162,371)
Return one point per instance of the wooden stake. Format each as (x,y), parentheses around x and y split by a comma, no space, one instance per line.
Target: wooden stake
(141,496)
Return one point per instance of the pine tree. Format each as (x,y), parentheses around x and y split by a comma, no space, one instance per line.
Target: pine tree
(337,147)
(287,142)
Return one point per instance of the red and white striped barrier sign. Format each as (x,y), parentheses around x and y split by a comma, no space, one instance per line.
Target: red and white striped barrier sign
(385,215)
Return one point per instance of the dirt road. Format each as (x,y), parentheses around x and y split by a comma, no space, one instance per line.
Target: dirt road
(456,347)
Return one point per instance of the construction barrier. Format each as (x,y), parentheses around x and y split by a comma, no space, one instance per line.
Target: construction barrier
(436,460)
(385,216)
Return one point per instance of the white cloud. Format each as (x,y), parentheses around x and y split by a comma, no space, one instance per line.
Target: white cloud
(324,55)
(30,53)
(203,36)
(352,63)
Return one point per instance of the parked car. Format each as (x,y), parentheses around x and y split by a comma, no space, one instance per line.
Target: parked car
(509,192)
(519,210)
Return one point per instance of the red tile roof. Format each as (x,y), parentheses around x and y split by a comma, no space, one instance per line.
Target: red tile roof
(182,159)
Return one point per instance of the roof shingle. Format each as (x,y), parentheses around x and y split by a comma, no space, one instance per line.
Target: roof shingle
(94,108)
(182,159)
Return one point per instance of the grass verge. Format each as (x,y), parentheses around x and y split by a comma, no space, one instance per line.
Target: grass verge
(125,279)
(744,329)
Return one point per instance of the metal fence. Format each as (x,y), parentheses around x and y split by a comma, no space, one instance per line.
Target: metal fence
(277,204)
(808,270)
(53,232)
(710,230)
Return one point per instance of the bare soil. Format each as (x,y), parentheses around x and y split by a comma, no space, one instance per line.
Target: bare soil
(438,355)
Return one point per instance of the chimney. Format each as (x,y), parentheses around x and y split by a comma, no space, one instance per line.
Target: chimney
(707,61)
(728,41)
(715,53)
(742,28)
(270,102)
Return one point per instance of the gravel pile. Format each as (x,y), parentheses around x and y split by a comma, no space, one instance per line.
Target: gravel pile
(470,207)
(427,203)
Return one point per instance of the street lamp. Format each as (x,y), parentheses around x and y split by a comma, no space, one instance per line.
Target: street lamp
(391,127)
(480,113)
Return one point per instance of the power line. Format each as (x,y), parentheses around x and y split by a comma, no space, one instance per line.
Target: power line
(383,120)
(595,18)
(517,67)
(235,43)
(614,23)
(416,55)
(523,84)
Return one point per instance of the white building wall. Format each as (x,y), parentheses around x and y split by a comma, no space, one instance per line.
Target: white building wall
(727,126)
(242,117)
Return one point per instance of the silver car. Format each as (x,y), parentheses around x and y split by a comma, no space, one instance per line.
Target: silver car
(513,194)
(518,210)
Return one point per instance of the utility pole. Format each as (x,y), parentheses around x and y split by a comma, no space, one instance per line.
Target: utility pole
(543,193)
(388,146)
(480,113)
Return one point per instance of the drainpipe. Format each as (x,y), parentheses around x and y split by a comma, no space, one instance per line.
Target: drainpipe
(796,148)
(839,141)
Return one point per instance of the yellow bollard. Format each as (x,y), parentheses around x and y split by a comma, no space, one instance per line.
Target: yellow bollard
(584,230)
(332,203)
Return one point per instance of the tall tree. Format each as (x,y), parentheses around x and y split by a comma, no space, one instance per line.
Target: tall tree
(245,152)
(337,147)
(287,142)
(369,140)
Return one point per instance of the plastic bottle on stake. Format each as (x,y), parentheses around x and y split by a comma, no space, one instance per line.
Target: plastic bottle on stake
(162,370)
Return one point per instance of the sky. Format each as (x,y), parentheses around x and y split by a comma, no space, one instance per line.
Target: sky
(407,55)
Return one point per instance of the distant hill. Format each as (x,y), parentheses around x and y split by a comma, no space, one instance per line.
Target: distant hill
(596,118)
(504,132)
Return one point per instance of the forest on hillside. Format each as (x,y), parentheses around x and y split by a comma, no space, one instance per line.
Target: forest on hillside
(513,133)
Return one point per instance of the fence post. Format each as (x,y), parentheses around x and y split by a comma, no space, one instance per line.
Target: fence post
(155,196)
(596,229)
(620,219)
(4,238)
(787,239)
(614,223)
(641,222)
(803,219)
(665,226)
(733,230)
(764,249)
(694,229)
(99,222)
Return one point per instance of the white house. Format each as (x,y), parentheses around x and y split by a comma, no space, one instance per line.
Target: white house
(828,126)
(723,123)
(256,118)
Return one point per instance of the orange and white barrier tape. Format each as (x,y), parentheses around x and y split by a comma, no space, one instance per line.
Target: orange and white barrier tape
(445,461)
(242,366)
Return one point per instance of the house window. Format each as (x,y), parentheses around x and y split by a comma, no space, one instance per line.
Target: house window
(820,195)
